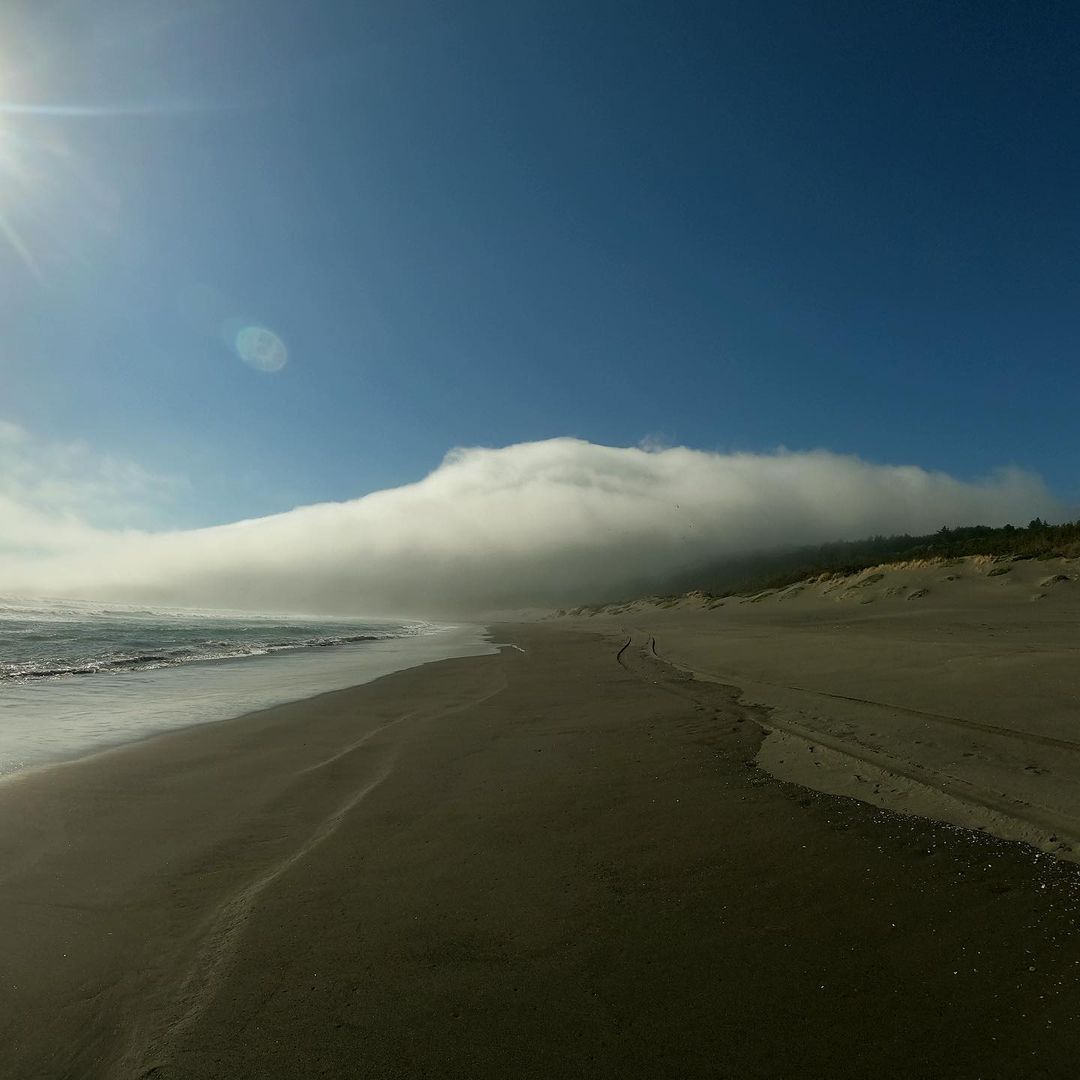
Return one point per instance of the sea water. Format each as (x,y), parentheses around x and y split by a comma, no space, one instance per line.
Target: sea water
(77,677)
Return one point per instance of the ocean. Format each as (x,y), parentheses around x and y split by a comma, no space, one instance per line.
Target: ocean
(77,677)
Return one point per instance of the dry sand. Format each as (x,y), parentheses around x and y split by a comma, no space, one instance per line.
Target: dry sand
(556,862)
(947,690)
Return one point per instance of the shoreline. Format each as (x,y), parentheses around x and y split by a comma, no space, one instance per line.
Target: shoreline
(555,861)
(127,707)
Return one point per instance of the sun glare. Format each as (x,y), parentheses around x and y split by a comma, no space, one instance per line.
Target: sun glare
(14,191)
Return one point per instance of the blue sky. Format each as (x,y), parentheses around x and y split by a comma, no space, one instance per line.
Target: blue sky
(726,226)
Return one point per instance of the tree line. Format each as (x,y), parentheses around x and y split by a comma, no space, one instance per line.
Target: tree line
(1036,540)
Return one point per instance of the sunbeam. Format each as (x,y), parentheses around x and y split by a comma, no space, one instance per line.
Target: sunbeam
(11,108)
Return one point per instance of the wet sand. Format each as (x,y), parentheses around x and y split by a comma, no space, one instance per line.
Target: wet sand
(560,862)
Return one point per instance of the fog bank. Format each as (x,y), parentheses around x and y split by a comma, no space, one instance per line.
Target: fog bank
(545,523)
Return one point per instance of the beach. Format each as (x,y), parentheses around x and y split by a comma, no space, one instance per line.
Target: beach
(559,860)
(539,542)
(949,690)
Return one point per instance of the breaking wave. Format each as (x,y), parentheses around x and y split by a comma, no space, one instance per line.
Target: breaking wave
(56,639)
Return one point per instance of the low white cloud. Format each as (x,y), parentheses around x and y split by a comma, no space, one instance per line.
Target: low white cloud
(536,523)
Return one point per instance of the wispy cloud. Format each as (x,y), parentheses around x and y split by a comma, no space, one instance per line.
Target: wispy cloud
(64,496)
(534,523)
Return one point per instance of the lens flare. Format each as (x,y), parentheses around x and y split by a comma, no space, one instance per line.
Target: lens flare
(261,348)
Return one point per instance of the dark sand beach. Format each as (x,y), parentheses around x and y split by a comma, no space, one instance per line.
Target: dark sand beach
(556,862)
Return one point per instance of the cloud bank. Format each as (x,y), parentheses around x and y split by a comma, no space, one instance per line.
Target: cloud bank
(554,522)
